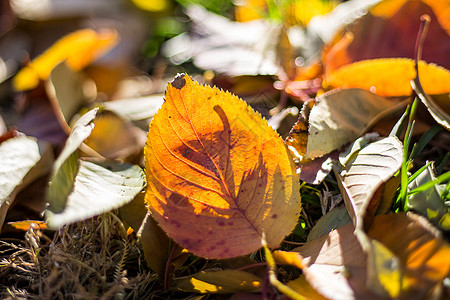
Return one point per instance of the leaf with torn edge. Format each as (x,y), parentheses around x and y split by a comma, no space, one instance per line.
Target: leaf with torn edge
(215,164)
(224,281)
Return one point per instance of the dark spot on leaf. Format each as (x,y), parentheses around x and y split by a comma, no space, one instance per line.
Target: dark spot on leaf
(186,153)
(230,223)
(179,82)
(274,216)
(221,223)
(221,243)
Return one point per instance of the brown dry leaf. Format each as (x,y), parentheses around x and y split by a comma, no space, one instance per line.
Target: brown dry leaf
(388,32)
(156,245)
(78,49)
(376,76)
(339,117)
(364,170)
(336,265)
(215,165)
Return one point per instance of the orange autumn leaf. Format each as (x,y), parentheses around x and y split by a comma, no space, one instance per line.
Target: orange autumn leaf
(26,225)
(390,30)
(390,77)
(218,176)
(78,49)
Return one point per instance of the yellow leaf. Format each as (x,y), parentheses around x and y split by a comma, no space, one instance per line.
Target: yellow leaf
(152,5)
(218,176)
(223,281)
(288,258)
(390,77)
(78,49)
(249,10)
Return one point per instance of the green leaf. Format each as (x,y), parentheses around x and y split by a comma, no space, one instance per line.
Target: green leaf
(98,188)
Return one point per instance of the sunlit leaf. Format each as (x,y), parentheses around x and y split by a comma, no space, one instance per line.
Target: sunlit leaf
(336,265)
(215,164)
(364,171)
(18,156)
(376,76)
(390,32)
(97,188)
(224,281)
(339,117)
(26,225)
(66,165)
(78,49)
(423,254)
(304,288)
(152,6)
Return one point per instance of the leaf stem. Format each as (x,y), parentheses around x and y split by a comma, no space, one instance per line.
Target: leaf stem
(286,290)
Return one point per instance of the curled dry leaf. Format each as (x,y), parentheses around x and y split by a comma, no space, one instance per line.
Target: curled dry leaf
(365,169)
(218,175)
(339,117)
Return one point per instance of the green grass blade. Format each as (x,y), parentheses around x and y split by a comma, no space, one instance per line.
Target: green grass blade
(424,140)
(414,176)
(442,178)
